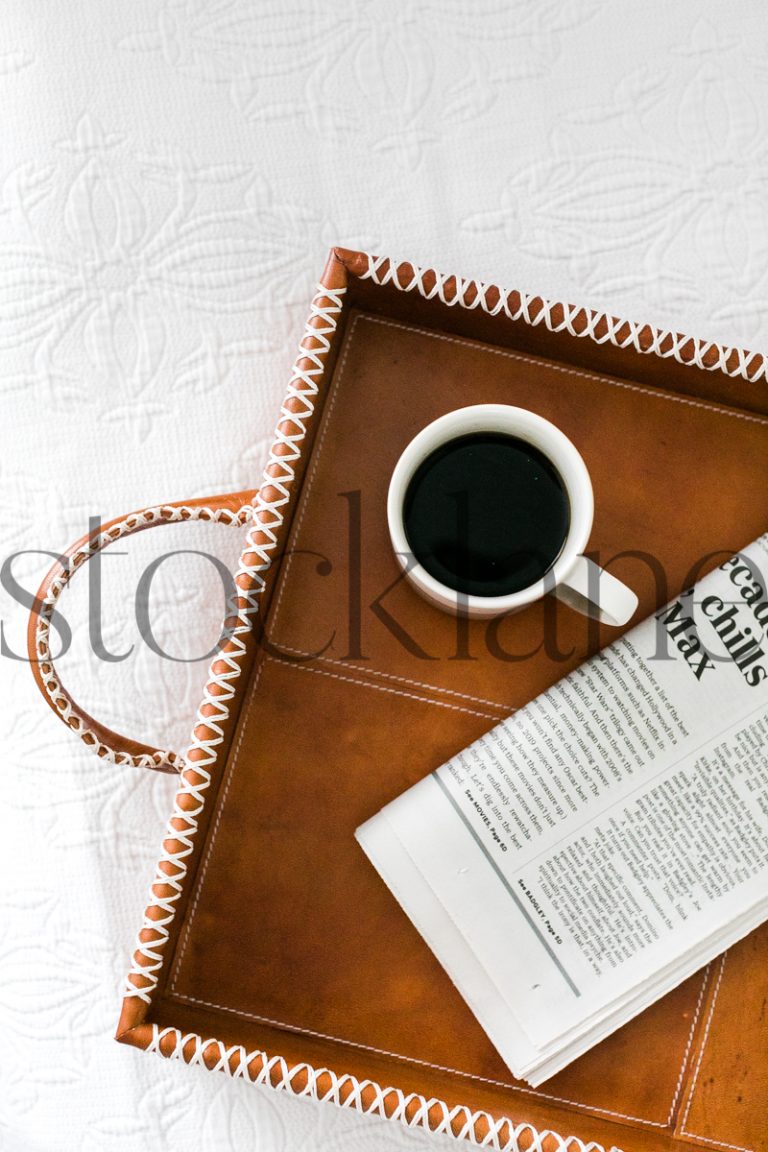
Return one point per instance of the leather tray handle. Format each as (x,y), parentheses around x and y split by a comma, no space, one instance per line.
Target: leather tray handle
(234,509)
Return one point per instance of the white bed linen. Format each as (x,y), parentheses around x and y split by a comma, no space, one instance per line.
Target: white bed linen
(171,177)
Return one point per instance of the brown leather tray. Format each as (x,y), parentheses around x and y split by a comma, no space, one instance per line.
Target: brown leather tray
(271,949)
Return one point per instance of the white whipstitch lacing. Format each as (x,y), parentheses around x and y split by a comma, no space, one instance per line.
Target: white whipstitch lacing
(302,1079)
(366,1096)
(250,579)
(577,321)
(345,1090)
(65,706)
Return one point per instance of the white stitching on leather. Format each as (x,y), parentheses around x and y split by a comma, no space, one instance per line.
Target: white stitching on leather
(383,270)
(674,397)
(353,1043)
(179,958)
(412,1110)
(684,1131)
(356,1044)
(65,705)
(720,1143)
(506,708)
(719,410)
(346,1091)
(692,1030)
(513,1087)
(710,1014)
(330,401)
(233,764)
(250,580)
(387,688)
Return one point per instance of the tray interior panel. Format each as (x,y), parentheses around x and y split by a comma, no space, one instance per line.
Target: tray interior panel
(286,922)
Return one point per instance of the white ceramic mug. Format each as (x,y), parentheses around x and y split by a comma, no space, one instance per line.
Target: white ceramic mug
(573,578)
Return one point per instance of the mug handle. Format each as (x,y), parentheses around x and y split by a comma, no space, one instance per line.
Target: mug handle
(234,509)
(594,592)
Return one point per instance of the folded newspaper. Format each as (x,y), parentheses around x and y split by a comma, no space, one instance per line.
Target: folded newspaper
(598,847)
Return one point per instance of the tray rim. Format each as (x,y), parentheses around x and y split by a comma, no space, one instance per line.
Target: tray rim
(272,500)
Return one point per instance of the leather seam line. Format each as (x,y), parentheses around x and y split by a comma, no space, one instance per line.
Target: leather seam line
(304,496)
(683,1130)
(382,688)
(507,709)
(686,1054)
(718,410)
(383,270)
(415,1060)
(543,362)
(176,969)
(700,1054)
(308,1031)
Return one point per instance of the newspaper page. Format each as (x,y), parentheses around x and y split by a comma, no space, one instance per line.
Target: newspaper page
(596,848)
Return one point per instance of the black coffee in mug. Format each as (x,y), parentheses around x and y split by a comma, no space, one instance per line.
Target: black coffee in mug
(486,514)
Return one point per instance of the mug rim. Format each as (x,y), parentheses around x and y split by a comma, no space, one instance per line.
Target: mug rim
(525,425)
